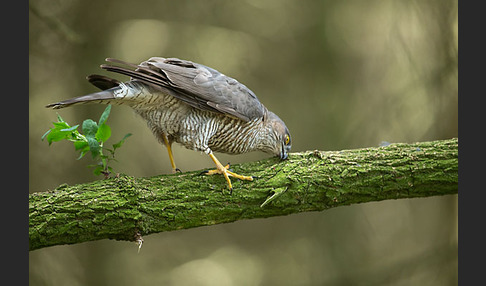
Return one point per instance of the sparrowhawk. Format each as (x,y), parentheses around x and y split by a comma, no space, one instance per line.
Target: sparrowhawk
(194,105)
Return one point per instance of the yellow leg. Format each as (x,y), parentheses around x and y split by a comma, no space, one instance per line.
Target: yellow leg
(169,149)
(220,169)
(215,171)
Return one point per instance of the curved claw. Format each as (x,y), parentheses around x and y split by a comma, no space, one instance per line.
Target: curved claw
(224,170)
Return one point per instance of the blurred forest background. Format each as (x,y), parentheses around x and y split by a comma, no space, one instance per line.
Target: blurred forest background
(341,74)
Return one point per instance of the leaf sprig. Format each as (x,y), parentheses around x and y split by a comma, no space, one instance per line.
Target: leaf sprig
(92,140)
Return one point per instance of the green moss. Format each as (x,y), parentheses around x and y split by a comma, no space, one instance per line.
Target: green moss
(120,207)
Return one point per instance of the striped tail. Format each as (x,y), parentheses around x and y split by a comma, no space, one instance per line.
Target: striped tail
(106,97)
(108,86)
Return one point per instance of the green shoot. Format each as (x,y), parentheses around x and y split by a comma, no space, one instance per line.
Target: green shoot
(92,138)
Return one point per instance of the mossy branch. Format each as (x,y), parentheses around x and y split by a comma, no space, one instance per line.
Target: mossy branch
(124,208)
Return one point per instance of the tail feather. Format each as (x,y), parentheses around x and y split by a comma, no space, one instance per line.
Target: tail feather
(114,91)
(105,97)
(103,82)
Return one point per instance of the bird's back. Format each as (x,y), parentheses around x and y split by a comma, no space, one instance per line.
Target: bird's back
(184,102)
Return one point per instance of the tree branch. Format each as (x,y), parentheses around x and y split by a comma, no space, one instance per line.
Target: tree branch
(124,208)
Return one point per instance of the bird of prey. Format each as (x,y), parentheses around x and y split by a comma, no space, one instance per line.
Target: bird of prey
(193,105)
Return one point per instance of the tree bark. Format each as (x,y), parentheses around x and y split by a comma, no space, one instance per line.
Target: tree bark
(125,208)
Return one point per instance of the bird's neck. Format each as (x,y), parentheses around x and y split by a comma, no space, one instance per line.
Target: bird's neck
(264,138)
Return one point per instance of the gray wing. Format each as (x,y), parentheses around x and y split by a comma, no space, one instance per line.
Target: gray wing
(197,85)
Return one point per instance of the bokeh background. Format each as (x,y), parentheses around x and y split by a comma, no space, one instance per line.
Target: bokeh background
(341,74)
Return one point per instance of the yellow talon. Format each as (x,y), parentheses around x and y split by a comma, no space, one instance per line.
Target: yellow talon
(220,169)
(216,171)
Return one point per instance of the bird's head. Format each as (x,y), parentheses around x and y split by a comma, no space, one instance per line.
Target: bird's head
(277,140)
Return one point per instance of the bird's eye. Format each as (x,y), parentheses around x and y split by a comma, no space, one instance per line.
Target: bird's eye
(287,139)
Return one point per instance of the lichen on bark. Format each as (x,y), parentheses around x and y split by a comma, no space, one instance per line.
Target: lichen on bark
(125,207)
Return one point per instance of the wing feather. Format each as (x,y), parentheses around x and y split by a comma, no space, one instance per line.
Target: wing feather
(195,84)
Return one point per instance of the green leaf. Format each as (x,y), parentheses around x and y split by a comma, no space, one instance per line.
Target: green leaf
(97,170)
(71,128)
(112,152)
(120,143)
(58,132)
(81,145)
(59,118)
(45,134)
(83,152)
(94,146)
(103,133)
(105,115)
(61,125)
(89,128)
(57,135)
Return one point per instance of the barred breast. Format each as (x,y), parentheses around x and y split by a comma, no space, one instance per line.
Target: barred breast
(198,129)
(235,136)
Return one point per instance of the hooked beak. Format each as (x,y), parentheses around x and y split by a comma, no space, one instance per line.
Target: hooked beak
(283,154)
